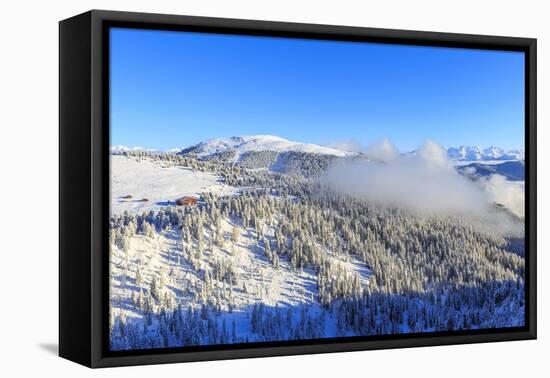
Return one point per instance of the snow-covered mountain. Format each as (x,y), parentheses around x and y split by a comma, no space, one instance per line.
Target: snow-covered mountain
(511,170)
(266,253)
(475,153)
(269,257)
(241,145)
(235,147)
(267,152)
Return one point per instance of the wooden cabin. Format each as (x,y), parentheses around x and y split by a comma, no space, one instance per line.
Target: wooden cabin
(186,201)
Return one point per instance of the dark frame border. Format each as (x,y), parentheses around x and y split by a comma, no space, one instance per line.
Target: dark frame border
(85,38)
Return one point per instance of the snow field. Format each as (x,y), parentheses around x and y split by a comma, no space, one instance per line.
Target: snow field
(159,183)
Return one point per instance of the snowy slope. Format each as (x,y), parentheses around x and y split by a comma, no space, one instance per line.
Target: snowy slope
(196,263)
(242,145)
(257,280)
(158,183)
(512,170)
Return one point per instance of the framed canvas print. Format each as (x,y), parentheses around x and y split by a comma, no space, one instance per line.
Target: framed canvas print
(234,188)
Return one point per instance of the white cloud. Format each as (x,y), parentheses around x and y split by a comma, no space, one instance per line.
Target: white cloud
(425,182)
(384,151)
(507,193)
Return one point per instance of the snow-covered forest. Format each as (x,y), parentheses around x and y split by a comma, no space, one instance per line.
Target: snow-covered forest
(271,252)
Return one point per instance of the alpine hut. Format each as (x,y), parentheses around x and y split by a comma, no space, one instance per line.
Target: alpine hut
(186,201)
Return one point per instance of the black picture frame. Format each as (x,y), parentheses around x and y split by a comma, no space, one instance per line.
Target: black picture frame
(84,186)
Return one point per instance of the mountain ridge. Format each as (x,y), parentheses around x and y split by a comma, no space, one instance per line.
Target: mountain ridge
(237,146)
(255,143)
(476,153)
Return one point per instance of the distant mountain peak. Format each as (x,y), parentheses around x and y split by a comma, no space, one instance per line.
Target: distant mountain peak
(475,153)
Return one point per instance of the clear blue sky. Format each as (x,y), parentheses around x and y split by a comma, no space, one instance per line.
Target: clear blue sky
(173,89)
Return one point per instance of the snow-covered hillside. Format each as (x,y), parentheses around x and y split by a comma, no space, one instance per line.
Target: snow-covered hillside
(512,170)
(154,184)
(237,146)
(241,145)
(276,254)
(254,278)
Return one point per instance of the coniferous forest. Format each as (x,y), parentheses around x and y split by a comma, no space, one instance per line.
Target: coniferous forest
(284,256)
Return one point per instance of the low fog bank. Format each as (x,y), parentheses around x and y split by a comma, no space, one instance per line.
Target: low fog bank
(508,193)
(426,182)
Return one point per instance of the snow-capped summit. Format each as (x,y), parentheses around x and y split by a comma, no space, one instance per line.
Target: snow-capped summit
(493,152)
(464,153)
(475,153)
(244,144)
(513,155)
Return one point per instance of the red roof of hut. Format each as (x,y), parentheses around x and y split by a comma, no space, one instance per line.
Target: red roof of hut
(186,201)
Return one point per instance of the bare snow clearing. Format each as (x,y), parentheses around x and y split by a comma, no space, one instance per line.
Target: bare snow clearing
(153,184)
